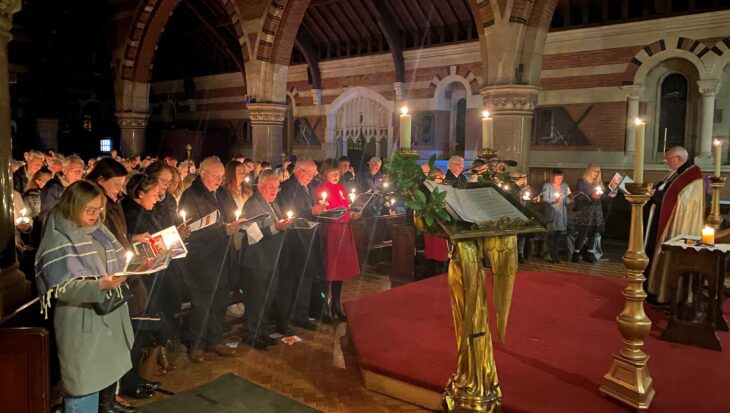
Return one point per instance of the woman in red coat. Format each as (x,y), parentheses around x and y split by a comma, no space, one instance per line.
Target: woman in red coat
(340,253)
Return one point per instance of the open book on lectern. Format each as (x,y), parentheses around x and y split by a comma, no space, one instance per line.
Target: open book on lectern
(477,205)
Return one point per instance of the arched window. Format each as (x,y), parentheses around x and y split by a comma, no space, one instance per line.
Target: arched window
(460,128)
(672,112)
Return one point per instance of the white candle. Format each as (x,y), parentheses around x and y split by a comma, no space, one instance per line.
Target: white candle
(392,201)
(717,148)
(352,197)
(598,190)
(289,215)
(405,128)
(324,197)
(526,196)
(23,212)
(183,215)
(556,195)
(665,140)
(247,179)
(385,184)
(487,131)
(708,235)
(639,151)
(129,255)
(238,214)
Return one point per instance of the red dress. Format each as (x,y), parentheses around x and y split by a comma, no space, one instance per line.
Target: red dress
(340,253)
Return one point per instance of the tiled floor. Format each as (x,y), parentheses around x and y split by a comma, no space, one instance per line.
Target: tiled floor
(318,371)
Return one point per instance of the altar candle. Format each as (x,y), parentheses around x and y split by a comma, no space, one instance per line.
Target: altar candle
(289,215)
(718,156)
(238,214)
(639,151)
(708,235)
(487,131)
(405,128)
(183,215)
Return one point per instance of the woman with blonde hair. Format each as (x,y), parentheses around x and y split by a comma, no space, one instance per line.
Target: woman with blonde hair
(589,212)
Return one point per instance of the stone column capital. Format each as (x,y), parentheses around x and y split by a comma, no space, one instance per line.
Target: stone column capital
(709,88)
(7,9)
(132,120)
(266,113)
(634,92)
(510,99)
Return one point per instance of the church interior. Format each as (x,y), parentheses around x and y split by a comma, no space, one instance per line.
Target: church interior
(558,164)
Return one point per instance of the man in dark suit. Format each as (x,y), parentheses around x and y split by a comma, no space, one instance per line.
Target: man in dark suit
(206,272)
(33,163)
(261,258)
(372,180)
(347,178)
(454,176)
(303,256)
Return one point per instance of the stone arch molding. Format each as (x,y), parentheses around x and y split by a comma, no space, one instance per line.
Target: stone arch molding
(719,58)
(441,85)
(701,57)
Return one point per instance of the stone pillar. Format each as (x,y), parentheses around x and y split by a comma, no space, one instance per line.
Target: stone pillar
(48,132)
(634,94)
(14,288)
(267,128)
(513,109)
(400,91)
(132,126)
(708,89)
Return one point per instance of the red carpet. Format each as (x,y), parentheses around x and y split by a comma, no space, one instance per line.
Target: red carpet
(560,335)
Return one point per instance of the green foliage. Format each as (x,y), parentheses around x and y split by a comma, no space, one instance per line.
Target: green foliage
(405,178)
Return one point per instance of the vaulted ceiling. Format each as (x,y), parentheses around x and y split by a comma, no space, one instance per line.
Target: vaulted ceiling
(342,28)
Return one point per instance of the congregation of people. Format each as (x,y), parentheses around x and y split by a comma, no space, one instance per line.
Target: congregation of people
(272,273)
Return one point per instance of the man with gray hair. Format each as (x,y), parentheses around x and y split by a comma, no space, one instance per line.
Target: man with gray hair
(72,169)
(206,272)
(667,206)
(33,163)
(372,180)
(454,176)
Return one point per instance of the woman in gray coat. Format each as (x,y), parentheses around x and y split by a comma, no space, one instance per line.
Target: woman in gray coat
(75,262)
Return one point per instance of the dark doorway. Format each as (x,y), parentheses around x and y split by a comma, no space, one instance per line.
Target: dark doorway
(460,128)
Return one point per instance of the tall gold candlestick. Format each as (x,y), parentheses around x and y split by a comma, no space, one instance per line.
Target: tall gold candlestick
(628,380)
(715,219)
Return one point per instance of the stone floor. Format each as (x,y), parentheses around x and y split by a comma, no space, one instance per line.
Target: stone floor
(321,373)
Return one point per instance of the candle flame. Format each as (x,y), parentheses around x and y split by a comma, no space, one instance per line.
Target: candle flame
(129,255)
(247,179)
(23,211)
(392,201)
(289,214)
(485,114)
(238,214)
(404,110)
(716,142)
(639,121)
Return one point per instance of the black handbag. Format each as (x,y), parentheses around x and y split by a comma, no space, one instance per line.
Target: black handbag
(112,301)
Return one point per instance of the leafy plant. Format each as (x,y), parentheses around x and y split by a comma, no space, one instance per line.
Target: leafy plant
(406,179)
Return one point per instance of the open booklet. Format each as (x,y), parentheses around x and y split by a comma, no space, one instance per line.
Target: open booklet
(138,264)
(477,205)
(167,240)
(359,204)
(618,182)
(204,222)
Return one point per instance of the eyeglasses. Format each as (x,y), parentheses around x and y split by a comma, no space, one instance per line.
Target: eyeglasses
(74,171)
(217,178)
(93,210)
(269,186)
(164,181)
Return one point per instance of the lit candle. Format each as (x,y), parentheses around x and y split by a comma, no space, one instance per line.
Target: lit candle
(708,235)
(405,128)
(352,197)
(247,179)
(183,215)
(129,255)
(639,151)
(556,195)
(238,214)
(598,190)
(385,185)
(392,201)
(526,196)
(289,215)
(23,212)
(487,131)
(324,197)
(718,156)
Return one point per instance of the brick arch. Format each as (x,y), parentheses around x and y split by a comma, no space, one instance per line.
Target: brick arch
(721,58)
(279,30)
(147,27)
(653,54)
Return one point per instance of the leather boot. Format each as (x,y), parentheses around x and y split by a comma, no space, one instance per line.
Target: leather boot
(337,312)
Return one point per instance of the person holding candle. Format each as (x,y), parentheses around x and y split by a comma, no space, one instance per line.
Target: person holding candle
(347,178)
(32,194)
(589,212)
(207,269)
(302,263)
(341,262)
(262,261)
(76,260)
(555,197)
(677,207)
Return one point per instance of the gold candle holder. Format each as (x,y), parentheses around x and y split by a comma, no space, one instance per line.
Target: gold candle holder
(628,380)
(407,151)
(488,154)
(715,219)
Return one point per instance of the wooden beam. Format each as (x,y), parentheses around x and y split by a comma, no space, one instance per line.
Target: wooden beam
(223,43)
(392,36)
(311,55)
